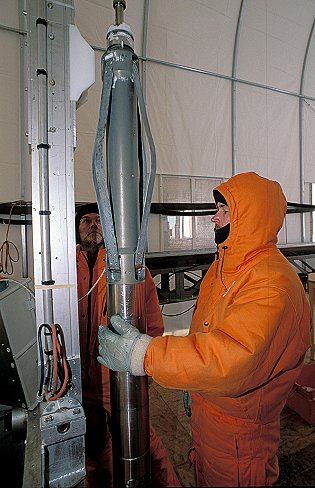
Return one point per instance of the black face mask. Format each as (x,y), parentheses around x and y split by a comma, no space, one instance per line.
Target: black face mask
(220,235)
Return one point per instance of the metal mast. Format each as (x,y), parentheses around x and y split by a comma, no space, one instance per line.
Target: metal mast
(54,452)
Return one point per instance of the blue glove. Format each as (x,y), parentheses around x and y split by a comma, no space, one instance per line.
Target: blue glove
(123,351)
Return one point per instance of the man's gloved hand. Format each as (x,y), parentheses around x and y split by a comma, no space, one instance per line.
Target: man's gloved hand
(123,351)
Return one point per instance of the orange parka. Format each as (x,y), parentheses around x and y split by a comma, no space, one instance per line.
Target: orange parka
(248,337)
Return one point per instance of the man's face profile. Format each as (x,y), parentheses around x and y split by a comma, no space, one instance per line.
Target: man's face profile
(222,216)
(90,231)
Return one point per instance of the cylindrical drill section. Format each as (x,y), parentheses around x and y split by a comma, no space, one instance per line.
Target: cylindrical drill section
(129,394)
(129,399)
(122,157)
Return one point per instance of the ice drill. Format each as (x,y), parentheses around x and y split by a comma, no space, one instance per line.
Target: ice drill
(124,191)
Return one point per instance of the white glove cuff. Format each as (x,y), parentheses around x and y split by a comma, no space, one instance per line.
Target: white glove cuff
(137,356)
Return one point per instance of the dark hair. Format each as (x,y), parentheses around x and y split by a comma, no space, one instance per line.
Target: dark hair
(84,209)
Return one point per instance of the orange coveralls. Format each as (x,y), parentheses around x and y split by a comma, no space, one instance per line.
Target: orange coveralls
(248,337)
(96,378)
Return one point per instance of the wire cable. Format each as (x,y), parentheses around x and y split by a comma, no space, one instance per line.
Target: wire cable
(20,284)
(6,257)
(58,376)
(60,362)
(41,356)
(92,288)
(176,314)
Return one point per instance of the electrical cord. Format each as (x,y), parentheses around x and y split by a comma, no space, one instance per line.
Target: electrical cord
(20,284)
(42,381)
(58,377)
(6,257)
(60,364)
(92,288)
(176,314)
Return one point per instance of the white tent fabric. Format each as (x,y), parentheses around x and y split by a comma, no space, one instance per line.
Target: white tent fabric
(9,103)
(223,83)
(189,65)
(229,87)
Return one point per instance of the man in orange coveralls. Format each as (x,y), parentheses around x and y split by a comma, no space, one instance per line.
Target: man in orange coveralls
(95,378)
(248,337)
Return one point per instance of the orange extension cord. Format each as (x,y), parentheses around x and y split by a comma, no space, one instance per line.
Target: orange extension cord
(59,355)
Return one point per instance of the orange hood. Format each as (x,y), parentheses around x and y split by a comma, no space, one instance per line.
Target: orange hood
(257,210)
